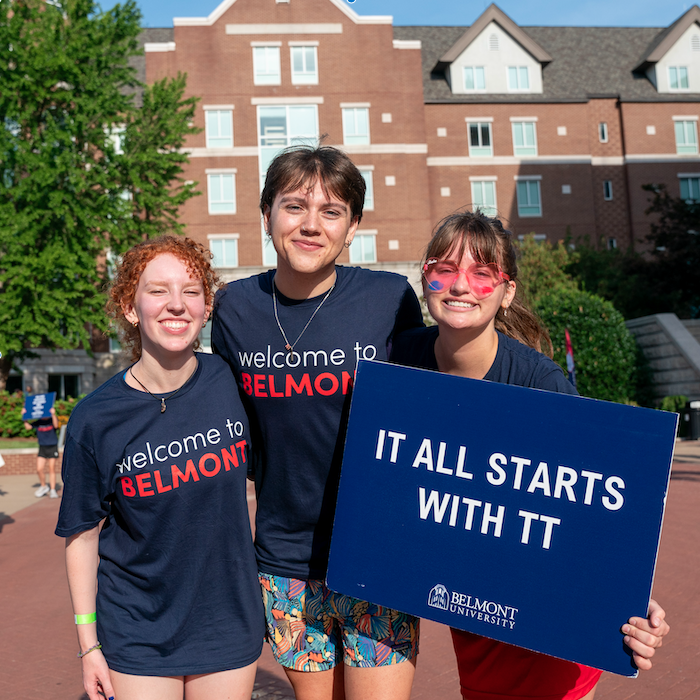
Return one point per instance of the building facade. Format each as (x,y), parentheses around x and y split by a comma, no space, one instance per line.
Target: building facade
(555,129)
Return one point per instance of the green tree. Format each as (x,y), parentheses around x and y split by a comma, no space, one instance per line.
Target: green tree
(83,168)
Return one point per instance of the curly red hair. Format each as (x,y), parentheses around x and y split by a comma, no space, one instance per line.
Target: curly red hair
(122,291)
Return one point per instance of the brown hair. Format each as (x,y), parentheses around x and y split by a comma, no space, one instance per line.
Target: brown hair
(122,291)
(303,166)
(489,242)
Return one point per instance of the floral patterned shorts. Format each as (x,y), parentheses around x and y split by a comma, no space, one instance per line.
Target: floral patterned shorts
(310,628)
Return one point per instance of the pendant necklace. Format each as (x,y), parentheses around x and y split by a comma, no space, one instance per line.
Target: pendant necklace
(289,347)
(171,394)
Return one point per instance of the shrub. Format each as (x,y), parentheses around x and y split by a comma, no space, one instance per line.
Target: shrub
(11,424)
(604,350)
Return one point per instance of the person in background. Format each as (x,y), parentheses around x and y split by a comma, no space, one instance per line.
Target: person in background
(159,553)
(48,450)
(486,331)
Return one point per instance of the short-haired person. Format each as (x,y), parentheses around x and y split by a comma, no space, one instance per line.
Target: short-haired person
(48,450)
(485,331)
(292,337)
(159,553)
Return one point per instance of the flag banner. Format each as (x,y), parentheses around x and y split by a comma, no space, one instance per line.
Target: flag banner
(504,511)
(39,405)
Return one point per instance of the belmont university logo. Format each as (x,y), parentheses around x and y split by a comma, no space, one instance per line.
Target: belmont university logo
(488,611)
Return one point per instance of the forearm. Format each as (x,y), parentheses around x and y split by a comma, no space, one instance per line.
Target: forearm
(81,566)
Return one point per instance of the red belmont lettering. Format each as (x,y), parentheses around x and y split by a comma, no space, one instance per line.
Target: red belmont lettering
(229,458)
(203,460)
(324,384)
(190,471)
(143,481)
(128,486)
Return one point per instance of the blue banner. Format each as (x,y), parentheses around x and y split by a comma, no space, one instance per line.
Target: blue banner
(38,405)
(504,511)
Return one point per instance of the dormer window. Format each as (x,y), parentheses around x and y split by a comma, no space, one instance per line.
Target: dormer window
(678,78)
(518,79)
(474,78)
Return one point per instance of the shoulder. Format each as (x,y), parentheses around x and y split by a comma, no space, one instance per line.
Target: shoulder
(247,287)
(360,277)
(521,365)
(214,367)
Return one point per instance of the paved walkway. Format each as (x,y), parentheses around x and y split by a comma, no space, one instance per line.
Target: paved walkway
(38,643)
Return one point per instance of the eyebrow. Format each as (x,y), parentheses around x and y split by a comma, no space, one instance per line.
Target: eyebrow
(296,198)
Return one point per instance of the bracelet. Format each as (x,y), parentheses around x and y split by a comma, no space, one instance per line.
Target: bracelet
(87,651)
(85,619)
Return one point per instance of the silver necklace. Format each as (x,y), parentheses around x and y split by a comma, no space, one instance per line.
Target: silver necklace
(170,394)
(289,347)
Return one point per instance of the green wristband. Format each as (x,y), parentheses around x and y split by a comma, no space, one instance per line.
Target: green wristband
(85,619)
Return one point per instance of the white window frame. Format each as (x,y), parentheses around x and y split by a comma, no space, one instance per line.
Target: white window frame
(234,237)
(212,177)
(518,75)
(305,76)
(693,186)
(267,64)
(532,184)
(474,71)
(525,149)
(350,119)
(367,172)
(678,78)
(360,254)
(479,185)
(221,115)
(607,190)
(603,132)
(479,150)
(689,127)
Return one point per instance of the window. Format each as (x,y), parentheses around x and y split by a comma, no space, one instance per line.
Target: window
(222,193)
(266,65)
(363,248)
(480,139)
(224,248)
(474,78)
(304,65)
(603,132)
(524,139)
(484,196)
(686,136)
(355,125)
(612,243)
(369,192)
(66,386)
(678,78)
(518,78)
(529,202)
(690,188)
(607,189)
(219,127)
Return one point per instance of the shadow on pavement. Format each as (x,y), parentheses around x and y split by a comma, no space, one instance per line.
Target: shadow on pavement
(270,687)
(5,520)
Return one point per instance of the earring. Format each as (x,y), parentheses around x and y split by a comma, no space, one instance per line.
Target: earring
(135,324)
(204,324)
(505,312)
(347,245)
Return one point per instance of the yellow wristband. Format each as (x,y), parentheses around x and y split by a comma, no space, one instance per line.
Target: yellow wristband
(85,619)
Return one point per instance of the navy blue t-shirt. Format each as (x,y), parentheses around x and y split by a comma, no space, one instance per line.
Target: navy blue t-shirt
(515,363)
(299,406)
(178,590)
(45,432)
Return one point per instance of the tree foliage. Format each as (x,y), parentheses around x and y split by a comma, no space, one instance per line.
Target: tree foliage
(83,168)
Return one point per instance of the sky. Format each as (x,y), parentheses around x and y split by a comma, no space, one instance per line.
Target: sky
(620,13)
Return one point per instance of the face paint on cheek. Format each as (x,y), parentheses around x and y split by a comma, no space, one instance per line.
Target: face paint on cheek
(436,286)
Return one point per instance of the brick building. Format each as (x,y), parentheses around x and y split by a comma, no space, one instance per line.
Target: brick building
(554,128)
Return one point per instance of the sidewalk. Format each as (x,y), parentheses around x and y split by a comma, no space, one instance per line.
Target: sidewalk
(38,643)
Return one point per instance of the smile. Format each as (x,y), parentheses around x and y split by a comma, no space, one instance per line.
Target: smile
(460,304)
(175,325)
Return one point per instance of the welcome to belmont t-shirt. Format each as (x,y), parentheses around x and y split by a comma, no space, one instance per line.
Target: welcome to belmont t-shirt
(299,404)
(178,591)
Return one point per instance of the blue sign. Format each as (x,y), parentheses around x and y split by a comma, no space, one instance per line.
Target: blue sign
(38,405)
(504,511)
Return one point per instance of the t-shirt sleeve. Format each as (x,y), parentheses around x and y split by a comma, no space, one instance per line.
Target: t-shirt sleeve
(409,314)
(218,344)
(85,500)
(551,378)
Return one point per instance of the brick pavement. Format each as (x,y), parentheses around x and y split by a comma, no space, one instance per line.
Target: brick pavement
(38,644)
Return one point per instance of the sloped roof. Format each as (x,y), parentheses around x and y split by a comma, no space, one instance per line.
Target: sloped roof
(494,14)
(667,38)
(586,62)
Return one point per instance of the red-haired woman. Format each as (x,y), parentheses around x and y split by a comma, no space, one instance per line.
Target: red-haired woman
(160,561)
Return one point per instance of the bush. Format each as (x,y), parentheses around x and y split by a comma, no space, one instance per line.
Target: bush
(676,404)
(604,350)
(11,424)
